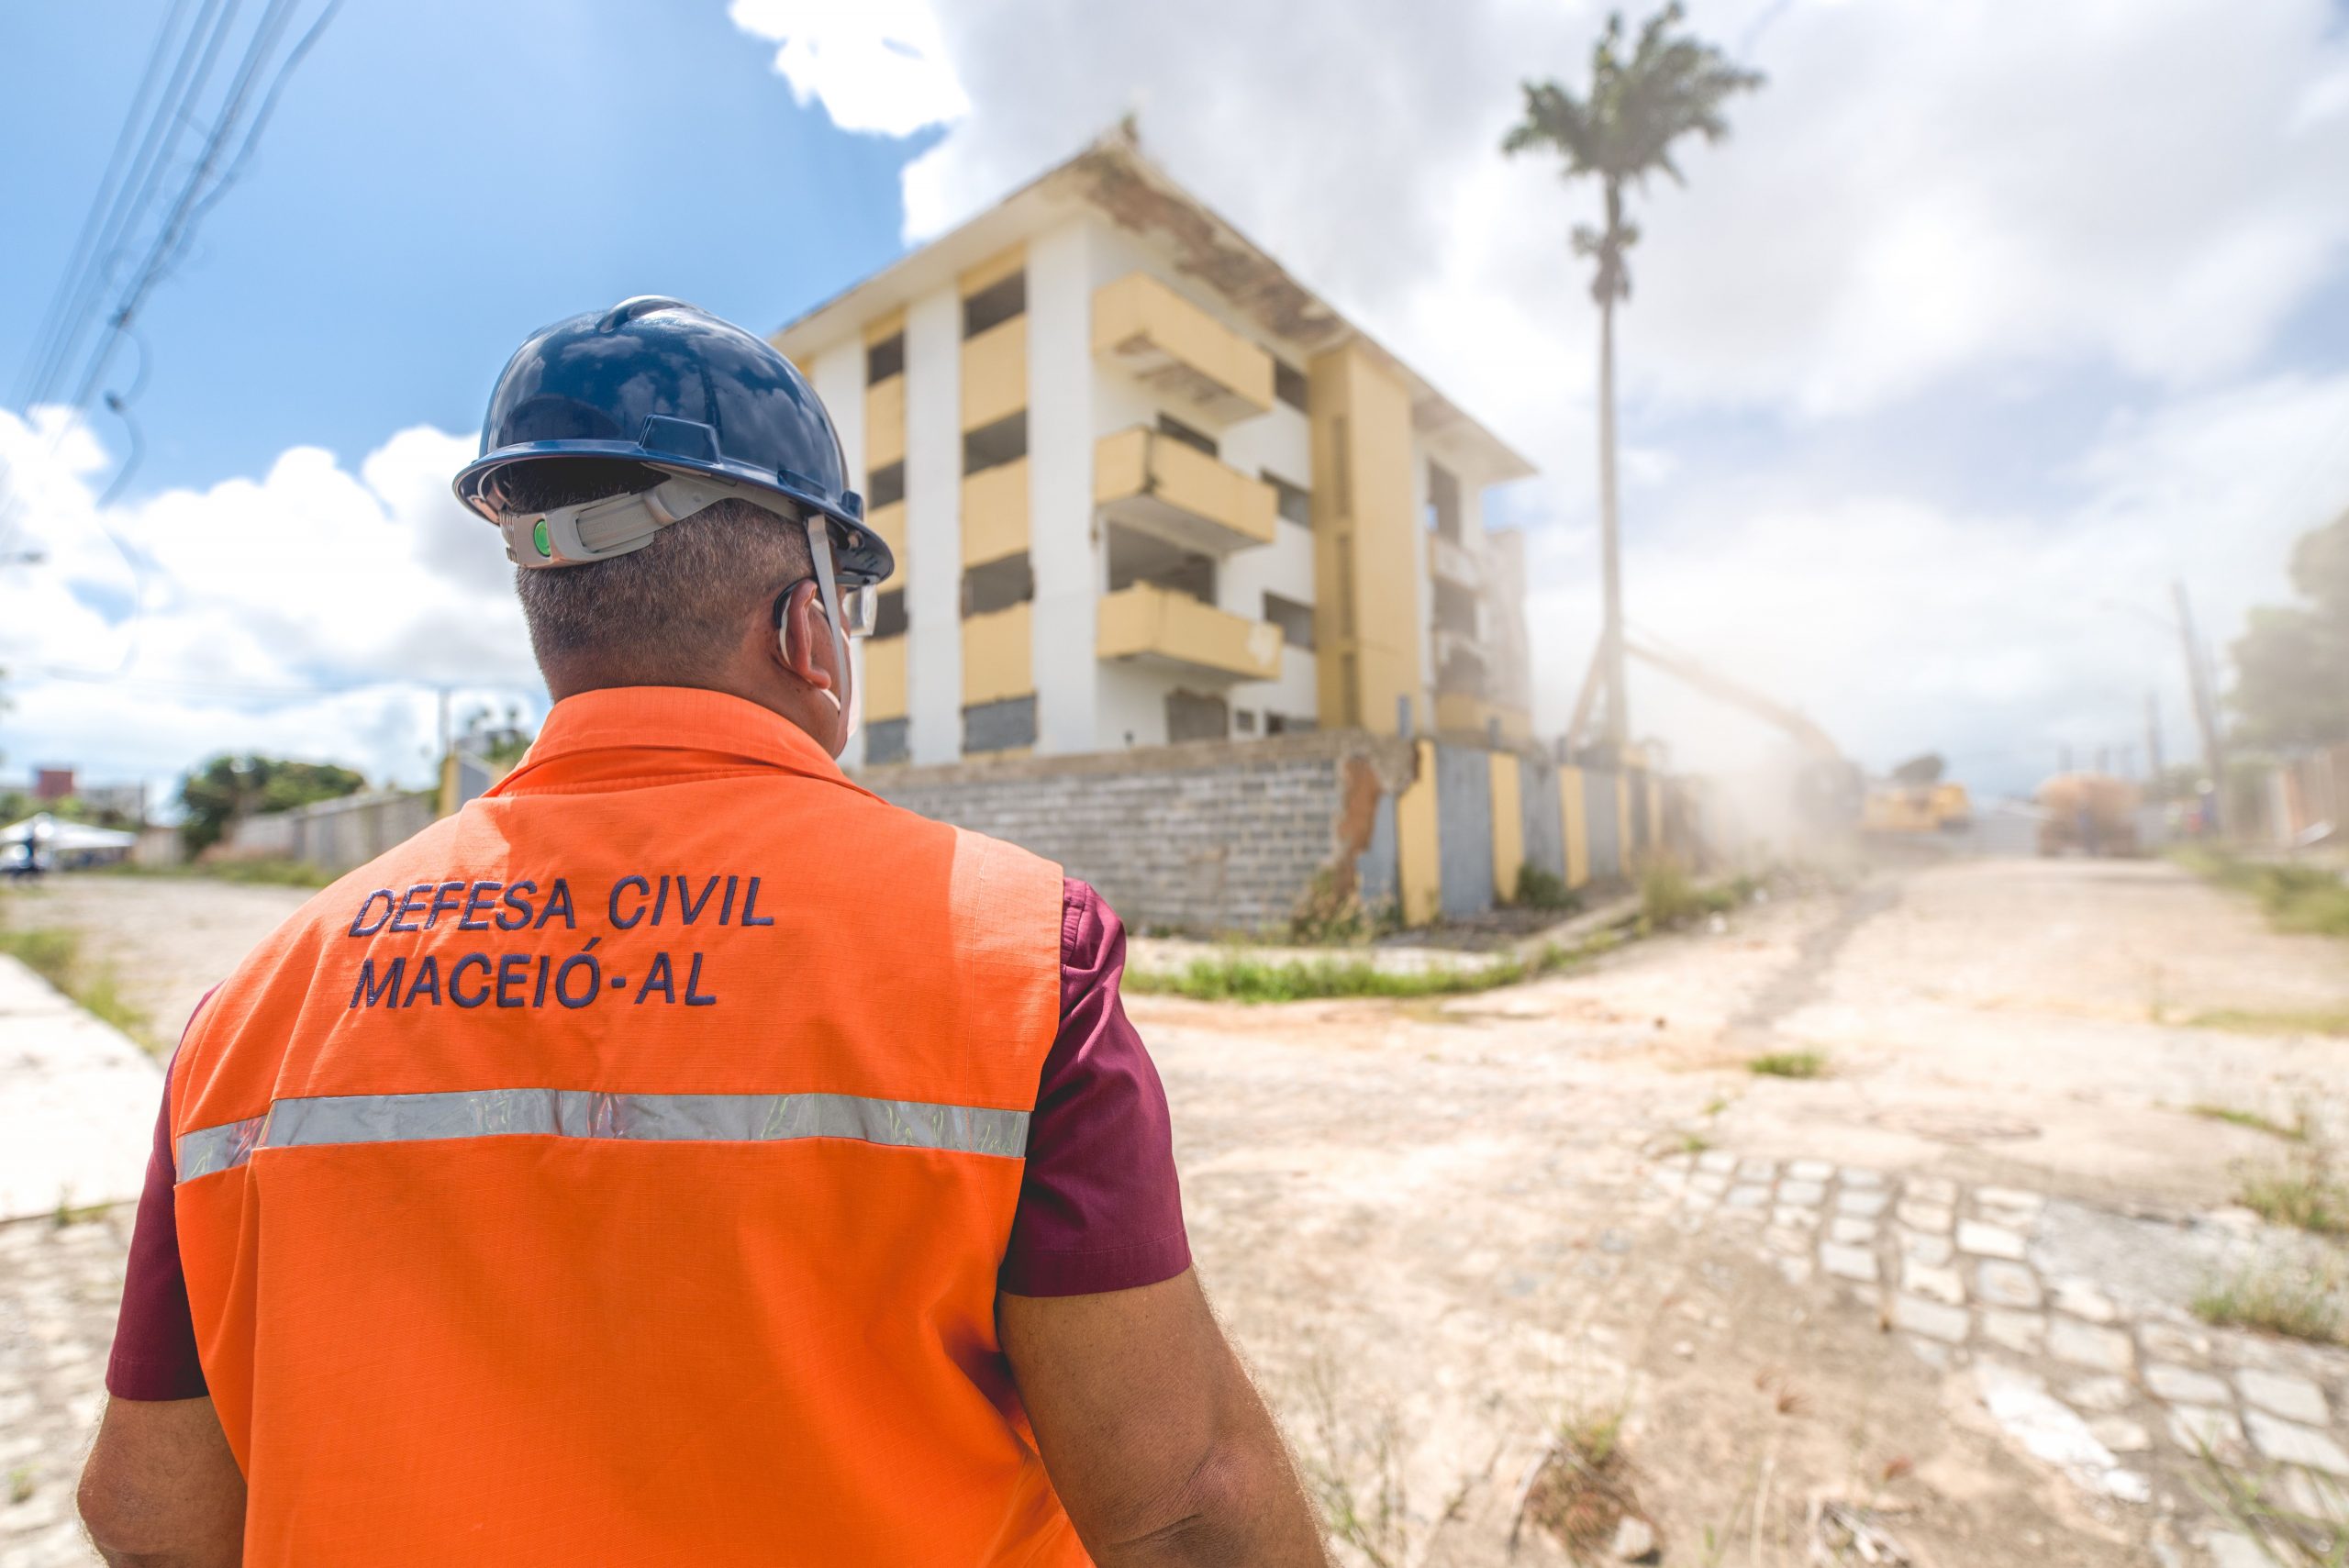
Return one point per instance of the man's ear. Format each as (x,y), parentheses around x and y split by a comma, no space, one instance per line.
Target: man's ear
(804,645)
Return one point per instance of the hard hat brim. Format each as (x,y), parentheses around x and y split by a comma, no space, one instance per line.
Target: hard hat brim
(861,556)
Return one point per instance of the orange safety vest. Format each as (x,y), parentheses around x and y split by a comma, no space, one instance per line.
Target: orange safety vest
(617,1171)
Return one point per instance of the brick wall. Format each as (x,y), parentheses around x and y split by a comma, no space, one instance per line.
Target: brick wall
(1210,836)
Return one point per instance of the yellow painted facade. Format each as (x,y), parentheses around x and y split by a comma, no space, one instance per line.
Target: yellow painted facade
(1574,826)
(995,513)
(1508,826)
(995,373)
(890,522)
(1624,847)
(885,423)
(994,269)
(1419,861)
(1168,628)
(1174,346)
(1178,493)
(1365,541)
(996,659)
(885,679)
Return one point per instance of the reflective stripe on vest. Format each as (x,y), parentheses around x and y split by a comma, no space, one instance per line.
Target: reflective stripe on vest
(579,1113)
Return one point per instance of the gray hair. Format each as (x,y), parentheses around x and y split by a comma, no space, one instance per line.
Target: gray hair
(667,615)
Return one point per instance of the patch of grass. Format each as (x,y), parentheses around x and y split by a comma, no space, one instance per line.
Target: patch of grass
(1353,1467)
(2282,1533)
(1788,1065)
(1670,899)
(2305,1197)
(264,873)
(1585,1487)
(2298,1132)
(2295,897)
(20,1484)
(55,954)
(1539,888)
(2297,1299)
(2333,1022)
(1693,1143)
(1242,977)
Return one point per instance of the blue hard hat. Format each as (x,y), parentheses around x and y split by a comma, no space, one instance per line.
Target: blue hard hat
(666,384)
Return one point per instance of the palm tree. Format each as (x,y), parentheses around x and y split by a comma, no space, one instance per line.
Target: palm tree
(1670,85)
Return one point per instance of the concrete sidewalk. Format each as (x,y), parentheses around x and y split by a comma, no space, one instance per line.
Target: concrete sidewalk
(77,1102)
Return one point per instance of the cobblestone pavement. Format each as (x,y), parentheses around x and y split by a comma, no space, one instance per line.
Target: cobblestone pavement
(60,1286)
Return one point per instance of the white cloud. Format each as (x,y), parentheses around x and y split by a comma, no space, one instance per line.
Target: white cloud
(877,65)
(310,612)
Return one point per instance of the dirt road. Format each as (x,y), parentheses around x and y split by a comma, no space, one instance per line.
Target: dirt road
(1941,1292)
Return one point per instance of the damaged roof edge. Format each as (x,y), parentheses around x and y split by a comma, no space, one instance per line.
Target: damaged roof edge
(1113,176)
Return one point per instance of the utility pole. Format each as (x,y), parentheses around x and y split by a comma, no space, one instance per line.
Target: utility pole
(2206,713)
(2153,739)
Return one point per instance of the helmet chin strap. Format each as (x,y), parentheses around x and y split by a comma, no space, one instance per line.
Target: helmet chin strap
(819,551)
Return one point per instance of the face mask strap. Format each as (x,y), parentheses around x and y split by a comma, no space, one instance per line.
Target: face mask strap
(819,551)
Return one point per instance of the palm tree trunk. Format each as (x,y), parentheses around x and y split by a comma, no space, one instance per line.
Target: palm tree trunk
(1609,537)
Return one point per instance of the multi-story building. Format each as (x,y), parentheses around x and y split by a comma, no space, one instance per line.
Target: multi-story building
(1145,486)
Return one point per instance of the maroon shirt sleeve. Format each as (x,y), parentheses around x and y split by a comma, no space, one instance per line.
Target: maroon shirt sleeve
(154,1338)
(1099,1205)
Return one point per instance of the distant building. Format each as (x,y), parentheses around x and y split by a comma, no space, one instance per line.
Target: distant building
(1145,486)
(52,784)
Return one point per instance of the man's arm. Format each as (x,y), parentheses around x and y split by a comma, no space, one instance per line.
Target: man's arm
(1160,1447)
(161,1490)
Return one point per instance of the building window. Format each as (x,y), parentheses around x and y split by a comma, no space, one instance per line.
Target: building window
(995,304)
(1191,717)
(1175,429)
(1243,721)
(1286,724)
(884,741)
(997,585)
(999,726)
(885,486)
(1295,620)
(1136,557)
(1456,609)
(885,359)
(1444,501)
(1463,674)
(889,613)
(1295,501)
(991,446)
(1288,385)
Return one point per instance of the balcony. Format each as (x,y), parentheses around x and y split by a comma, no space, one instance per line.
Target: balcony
(1147,625)
(1158,486)
(1173,345)
(1455,562)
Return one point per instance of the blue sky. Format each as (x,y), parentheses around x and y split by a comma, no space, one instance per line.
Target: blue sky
(1937,373)
(440,178)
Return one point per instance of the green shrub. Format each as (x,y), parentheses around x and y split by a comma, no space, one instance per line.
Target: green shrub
(1789,1064)
(1540,888)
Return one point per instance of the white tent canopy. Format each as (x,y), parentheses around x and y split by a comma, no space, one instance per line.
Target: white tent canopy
(48,833)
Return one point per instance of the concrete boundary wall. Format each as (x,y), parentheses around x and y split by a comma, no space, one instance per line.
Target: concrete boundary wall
(1220,836)
(1209,835)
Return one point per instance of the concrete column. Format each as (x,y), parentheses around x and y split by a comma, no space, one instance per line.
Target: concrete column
(838,377)
(934,526)
(1062,547)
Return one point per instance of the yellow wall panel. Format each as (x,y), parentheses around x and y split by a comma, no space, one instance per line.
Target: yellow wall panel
(882,327)
(995,373)
(1365,544)
(885,423)
(996,663)
(1509,827)
(1628,850)
(890,522)
(994,269)
(1419,864)
(995,513)
(1575,825)
(884,678)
